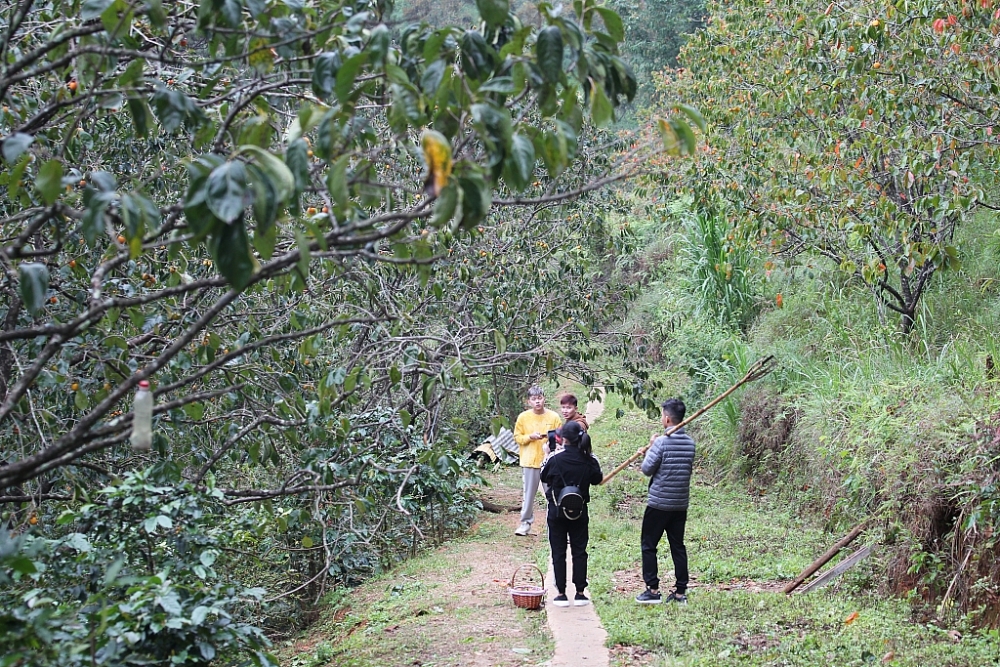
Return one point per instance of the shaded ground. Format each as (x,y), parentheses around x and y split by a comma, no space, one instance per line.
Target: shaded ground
(448,607)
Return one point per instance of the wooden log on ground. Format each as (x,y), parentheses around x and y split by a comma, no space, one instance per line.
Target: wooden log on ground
(497,509)
(822,560)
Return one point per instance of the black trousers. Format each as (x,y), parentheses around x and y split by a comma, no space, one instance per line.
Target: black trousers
(654,523)
(578,531)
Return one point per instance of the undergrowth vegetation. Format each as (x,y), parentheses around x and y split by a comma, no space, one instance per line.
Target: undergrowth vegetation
(742,548)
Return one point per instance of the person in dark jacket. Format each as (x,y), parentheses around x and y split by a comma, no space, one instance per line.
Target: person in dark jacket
(574,465)
(668,464)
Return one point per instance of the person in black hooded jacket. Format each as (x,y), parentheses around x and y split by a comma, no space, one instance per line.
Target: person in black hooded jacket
(574,465)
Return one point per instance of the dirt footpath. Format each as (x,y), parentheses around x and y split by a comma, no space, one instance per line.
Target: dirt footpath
(451,607)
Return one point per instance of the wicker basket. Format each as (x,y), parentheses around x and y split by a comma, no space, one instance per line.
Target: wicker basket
(527,595)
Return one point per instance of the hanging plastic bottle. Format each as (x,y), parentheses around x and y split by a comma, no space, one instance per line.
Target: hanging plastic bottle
(142,418)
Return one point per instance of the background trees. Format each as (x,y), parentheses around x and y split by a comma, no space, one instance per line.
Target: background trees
(861,133)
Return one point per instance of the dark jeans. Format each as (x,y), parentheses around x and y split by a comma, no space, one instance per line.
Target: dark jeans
(579,534)
(654,523)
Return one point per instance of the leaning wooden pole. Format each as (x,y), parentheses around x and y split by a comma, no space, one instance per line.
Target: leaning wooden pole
(760,368)
(822,560)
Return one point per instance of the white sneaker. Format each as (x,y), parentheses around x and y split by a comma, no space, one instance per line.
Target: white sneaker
(523,529)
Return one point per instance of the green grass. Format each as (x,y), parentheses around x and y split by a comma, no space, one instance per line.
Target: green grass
(732,537)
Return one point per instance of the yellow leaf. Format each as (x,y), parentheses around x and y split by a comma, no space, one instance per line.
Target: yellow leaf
(437,156)
(261,55)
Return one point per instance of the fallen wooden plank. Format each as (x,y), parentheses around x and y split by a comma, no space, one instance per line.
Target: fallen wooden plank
(822,560)
(840,568)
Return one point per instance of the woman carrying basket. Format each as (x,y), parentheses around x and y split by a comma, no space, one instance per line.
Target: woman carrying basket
(569,474)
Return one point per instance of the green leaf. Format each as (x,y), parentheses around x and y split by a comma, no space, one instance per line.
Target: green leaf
(549,50)
(199,615)
(230,11)
(405,418)
(49,181)
(499,84)
(685,134)
(347,74)
(500,341)
(174,108)
(194,411)
(307,542)
(445,204)
(336,182)
(601,110)
(304,254)
(230,248)
(229,192)
(325,73)
(297,159)
(15,145)
(142,117)
(494,12)
(265,240)
(111,574)
(613,23)
(379,42)
(694,115)
(476,199)
(22,565)
(200,218)
(92,9)
(432,76)
(34,284)
(280,176)
(521,163)
(478,58)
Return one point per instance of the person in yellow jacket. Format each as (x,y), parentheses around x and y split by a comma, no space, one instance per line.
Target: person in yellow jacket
(531,435)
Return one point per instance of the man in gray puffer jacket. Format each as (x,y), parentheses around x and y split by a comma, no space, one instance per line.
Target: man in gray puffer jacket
(668,463)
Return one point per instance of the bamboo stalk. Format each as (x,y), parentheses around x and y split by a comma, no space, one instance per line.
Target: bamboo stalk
(822,560)
(761,368)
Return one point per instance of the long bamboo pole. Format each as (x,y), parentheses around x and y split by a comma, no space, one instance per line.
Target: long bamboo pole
(760,368)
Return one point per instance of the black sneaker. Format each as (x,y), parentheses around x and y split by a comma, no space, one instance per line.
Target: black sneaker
(560,600)
(648,597)
(679,598)
(580,600)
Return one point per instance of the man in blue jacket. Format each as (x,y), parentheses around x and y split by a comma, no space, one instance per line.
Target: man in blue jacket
(668,463)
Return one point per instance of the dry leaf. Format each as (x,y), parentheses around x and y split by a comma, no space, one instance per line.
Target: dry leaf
(850,619)
(437,157)
(888,657)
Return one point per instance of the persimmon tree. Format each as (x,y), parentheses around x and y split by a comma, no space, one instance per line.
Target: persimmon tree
(194,186)
(861,133)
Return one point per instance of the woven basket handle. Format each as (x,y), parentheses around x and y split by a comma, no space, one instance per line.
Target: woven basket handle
(541,577)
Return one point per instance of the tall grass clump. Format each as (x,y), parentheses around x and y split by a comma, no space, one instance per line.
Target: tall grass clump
(720,276)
